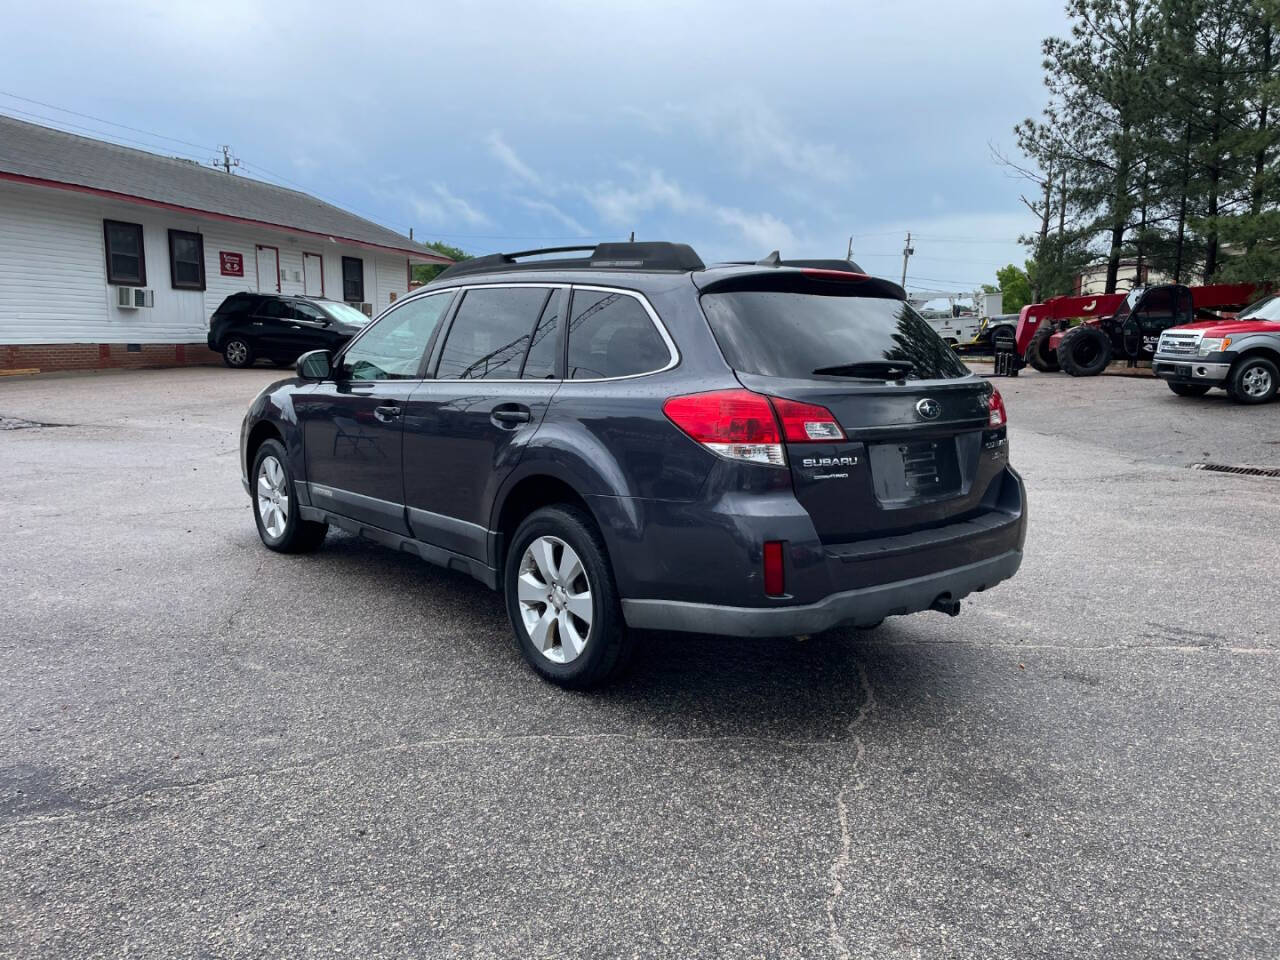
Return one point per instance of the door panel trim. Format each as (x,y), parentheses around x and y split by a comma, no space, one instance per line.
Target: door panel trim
(338,500)
(461,535)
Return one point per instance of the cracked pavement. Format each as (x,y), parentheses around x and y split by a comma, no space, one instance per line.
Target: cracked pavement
(210,750)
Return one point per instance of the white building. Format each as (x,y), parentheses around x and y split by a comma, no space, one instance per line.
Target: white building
(1093,278)
(111,256)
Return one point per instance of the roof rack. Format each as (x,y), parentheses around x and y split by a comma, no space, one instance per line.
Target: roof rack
(646,256)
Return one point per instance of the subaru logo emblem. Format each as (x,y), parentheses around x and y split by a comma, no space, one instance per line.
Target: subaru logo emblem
(928,409)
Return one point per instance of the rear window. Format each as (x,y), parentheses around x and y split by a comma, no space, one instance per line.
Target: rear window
(784,334)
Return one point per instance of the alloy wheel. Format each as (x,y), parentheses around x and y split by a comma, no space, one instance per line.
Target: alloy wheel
(237,352)
(273,497)
(1256,382)
(554,595)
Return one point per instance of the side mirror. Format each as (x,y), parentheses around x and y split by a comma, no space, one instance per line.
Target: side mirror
(315,365)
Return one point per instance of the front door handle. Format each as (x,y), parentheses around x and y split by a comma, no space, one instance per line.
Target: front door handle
(510,415)
(387,413)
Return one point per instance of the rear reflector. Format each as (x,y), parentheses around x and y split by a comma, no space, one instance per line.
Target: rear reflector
(998,416)
(737,424)
(775,579)
(806,422)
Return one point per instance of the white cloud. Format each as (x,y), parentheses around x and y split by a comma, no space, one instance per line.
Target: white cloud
(765,143)
(627,205)
(761,231)
(505,155)
(551,210)
(442,208)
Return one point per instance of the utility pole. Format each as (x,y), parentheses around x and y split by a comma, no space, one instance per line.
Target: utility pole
(907,251)
(227,162)
(849,255)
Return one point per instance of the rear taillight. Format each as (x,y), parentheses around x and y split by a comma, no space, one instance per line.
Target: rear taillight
(806,422)
(737,424)
(997,417)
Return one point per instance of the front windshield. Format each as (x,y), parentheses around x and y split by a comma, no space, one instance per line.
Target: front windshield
(1129,302)
(345,314)
(1268,308)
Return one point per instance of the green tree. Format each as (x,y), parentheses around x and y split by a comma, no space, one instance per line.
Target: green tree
(426,272)
(1015,288)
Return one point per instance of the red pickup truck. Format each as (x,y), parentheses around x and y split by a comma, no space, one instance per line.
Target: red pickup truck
(1242,355)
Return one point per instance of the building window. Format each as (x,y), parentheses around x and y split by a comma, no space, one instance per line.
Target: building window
(352,279)
(186,260)
(126,262)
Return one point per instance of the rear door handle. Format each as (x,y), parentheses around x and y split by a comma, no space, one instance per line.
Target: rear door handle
(386,413)
(510,415)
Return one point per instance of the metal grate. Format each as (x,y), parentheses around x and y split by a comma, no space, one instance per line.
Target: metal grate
(1238,471)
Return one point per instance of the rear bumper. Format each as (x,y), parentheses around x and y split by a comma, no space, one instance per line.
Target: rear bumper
(863,607)
(698,581)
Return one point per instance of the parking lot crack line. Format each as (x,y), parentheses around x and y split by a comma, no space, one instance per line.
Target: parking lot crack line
(192,789)
(844,854)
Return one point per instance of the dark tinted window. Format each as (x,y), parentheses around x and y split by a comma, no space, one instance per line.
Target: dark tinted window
(782,334)
(275,309)
(1157,302)
(541,361)
(352,279)
(186,260)
(491,333)
(126,261)
(307,312)
(392,349)
(611,335)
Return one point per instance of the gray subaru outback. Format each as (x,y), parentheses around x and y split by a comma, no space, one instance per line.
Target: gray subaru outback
(623,438)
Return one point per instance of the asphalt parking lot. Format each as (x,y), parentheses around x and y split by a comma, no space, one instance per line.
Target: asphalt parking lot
(212,750)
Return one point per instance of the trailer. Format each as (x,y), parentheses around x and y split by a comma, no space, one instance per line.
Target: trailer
(1114,325)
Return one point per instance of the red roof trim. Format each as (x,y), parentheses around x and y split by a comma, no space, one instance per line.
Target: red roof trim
(229,218)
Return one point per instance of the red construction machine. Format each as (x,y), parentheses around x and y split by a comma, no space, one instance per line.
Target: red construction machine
(1115,325)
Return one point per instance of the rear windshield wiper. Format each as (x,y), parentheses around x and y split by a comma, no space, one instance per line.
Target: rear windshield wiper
(887,369)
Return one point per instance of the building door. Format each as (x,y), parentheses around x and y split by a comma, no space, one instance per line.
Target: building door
(312,275)
(268,269)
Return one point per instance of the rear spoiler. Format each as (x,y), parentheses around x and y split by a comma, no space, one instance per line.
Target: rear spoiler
(814,276)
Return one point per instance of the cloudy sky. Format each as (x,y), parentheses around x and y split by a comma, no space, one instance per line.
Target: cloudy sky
(738,127)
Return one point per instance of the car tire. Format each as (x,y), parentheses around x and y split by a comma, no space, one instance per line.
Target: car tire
(275,508)
(237,353)
(556,556)
(1084,352)
(1253,380)
(1038,353)
(1189,389)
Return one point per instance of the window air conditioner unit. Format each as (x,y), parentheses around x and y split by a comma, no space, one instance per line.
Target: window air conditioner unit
(130,298)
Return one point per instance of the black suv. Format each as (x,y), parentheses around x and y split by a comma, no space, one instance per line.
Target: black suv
(632,439)
(251,325)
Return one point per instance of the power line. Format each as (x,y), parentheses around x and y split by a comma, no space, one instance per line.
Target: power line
(110,123)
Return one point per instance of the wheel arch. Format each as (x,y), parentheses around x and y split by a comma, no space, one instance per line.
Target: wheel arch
(521,496)
(261,432)
(1250,351)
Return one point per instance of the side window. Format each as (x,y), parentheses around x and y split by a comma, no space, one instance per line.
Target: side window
(491,333)
(274,309)
(611,335)
(540,364)
(309,313)
(352,279)
(392,348)
(126,260)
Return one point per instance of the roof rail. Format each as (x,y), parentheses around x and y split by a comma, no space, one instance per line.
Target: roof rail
(647,256)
